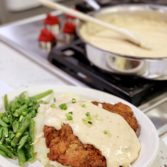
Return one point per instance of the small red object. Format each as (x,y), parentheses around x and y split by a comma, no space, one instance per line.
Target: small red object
(70,16)
(69,28)
(46,36)
(51,20)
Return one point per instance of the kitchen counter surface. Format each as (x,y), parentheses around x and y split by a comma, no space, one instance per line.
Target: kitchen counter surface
(17,71)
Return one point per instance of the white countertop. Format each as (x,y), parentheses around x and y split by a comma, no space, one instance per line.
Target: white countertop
(17,71)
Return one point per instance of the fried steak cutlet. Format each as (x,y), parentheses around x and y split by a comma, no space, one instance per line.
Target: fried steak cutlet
(67,149)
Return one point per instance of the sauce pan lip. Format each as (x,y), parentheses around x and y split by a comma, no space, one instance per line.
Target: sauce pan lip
(126,7)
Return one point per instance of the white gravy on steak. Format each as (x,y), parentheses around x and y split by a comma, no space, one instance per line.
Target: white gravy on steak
(107,131)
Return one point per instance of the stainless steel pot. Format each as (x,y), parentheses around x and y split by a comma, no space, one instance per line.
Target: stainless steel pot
(149,68)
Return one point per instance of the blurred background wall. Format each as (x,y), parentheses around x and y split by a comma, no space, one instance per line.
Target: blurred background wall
(12,10)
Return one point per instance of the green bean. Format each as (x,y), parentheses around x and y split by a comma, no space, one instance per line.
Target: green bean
(2,140)
(23,96)
(15,126)
(10,118)
(11,135)
(21,157)
(8,141)
(22,142)
(1,114)
(32,129)
(6,151)
(30,153)
(1,132)
(21,118)
(24,125)
(5,119)
(6,102)
(14,105)
(3,154)
(2,123)
(20,110)
(42,95)
(5,131)
(33,114)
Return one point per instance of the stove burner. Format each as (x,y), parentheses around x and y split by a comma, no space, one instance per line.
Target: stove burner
(72,59)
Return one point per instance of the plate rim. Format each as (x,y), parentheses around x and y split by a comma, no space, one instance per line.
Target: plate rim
(75,89)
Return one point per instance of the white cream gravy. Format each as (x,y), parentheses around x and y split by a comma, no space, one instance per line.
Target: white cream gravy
(109,132)
(149,27)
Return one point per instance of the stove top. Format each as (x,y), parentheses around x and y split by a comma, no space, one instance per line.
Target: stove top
(72,59)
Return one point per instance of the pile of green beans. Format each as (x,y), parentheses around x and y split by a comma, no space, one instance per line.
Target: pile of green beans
(17,126)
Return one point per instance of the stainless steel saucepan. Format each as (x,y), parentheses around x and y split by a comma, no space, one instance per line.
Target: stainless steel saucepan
(149,68)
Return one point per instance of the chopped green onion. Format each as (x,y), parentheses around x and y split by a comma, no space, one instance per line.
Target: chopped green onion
(87,122)
(53,105)
(106,132)
(88,114)
(63,106)
(88,119)
(74,100)
(69,116)
(83,105)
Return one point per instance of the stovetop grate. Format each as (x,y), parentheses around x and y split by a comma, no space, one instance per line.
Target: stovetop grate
(71,59)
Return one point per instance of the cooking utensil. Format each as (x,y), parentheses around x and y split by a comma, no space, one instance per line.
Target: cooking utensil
(129,36)
(150,68)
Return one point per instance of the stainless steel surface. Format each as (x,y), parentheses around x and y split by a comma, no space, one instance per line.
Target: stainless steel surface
(150,68)
(156,110)
(158,115)
(162,131)
(22,36)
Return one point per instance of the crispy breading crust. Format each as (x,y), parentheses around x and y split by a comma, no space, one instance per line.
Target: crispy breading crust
(124,110)
(67,149)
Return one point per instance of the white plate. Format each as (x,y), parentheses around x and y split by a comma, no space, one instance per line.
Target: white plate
(148,137)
